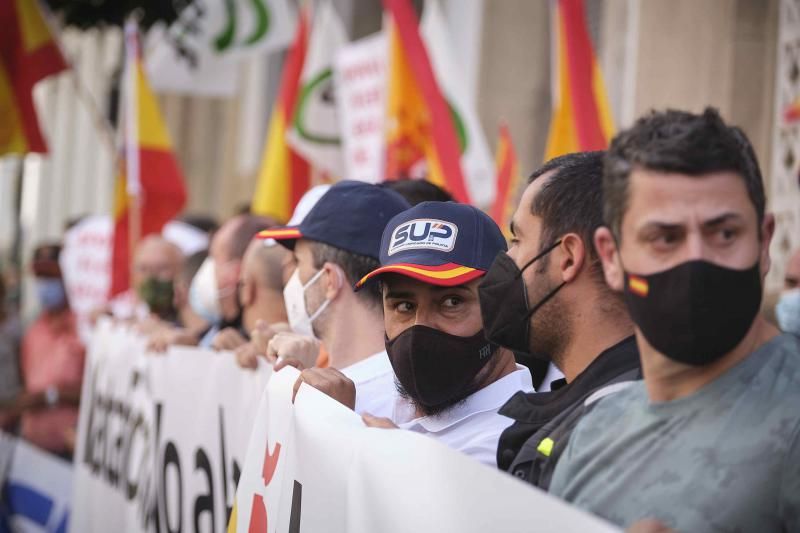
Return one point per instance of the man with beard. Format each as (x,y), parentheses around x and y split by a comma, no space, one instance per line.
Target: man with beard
(710,440)
(451,380)
(569,317)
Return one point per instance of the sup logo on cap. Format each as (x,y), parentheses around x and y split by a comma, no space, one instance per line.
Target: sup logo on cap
(426,233)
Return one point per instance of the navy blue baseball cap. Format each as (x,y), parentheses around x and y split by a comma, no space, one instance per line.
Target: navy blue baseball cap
(350,216)
(441,243)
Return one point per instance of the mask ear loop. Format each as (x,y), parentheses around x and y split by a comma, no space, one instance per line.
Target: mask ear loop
(539,256)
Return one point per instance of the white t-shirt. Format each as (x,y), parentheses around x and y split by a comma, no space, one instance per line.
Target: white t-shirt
(472,427)
(374,381)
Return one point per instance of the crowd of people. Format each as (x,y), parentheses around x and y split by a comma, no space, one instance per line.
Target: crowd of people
(614,352)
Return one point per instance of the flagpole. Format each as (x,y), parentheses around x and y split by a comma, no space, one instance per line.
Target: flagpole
(131,125)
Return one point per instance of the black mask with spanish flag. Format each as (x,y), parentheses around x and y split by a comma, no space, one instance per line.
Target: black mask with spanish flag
(695,312)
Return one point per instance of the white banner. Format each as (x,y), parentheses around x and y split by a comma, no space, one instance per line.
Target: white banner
(36,488)
(161,437)
(313,466)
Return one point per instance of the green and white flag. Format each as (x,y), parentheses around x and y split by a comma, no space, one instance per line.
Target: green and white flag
(314,131)
(477,163)
(201,51)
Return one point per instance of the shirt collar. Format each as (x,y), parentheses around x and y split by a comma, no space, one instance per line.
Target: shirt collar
(375,365)
(489,398)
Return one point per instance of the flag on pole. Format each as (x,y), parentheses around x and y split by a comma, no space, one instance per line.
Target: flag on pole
(476,157)
(28,54)
(200,53)
(149,190)
(315,132)
(581,118)
(508,181)
(422,135)
(284,175)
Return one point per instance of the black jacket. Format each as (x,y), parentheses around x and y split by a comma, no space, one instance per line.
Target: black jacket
(543,422)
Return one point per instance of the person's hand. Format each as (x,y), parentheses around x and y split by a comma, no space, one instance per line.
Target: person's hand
(377,422)
(287,345)
(649,525)
(227,339)
(247,355)
(150,325)
(163,339)
(263,333)
(331,382)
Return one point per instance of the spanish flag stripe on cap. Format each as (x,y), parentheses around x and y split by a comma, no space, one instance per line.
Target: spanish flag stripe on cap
(448,274)
(279,234)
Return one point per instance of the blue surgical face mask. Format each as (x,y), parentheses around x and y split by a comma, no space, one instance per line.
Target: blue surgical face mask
(788,311)
(51,293)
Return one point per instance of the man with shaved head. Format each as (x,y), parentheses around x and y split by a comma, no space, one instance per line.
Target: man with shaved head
(156,263)
(260,293)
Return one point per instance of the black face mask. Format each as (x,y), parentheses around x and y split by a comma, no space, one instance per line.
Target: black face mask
(437,369)
(504,303)
(695,312)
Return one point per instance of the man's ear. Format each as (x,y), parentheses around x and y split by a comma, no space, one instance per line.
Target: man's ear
(606,247)
(767,231)
(335,280)
(573,256)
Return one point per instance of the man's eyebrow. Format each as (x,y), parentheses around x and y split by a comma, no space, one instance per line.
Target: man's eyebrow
(398,294)
(721,219)
(462,287)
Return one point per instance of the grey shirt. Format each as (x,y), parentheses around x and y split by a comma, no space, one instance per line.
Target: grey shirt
(726,458)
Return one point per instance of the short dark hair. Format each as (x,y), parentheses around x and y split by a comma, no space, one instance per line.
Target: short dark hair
(418,191)
(355,267)
(571,201)
(682,142)
(245,231)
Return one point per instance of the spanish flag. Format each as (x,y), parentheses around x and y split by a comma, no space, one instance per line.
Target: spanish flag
(508,181)
(284,175)
(150,190)
(27,55)
(420,124)
(581,118)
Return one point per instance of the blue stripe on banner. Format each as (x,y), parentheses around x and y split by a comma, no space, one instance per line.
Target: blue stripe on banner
(27,502)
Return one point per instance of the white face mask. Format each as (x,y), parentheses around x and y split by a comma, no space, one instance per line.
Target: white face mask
(204,294)
(788,311)
(294,296)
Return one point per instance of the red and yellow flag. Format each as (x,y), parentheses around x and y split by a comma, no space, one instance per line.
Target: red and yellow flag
(420,124)
(27,55)
(150,188)
(508,181)
(581,118)
(284,175)
(792,112)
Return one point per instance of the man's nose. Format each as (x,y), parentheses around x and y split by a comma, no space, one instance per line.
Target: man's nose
(696,247)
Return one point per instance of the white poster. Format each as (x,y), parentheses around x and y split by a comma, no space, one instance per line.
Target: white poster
(85,263)
(36,488)
(313,466)
(360,81)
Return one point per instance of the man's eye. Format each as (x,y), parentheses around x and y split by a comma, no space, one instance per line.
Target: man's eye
(403,307)
(452,301)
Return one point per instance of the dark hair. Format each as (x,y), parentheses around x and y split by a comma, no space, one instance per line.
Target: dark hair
(355,267)
(191,265)
(571,201)
(418,191)
(682,142)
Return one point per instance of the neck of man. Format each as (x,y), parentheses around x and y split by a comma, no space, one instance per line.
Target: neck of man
(267,306)
(667,380)
(353,333)
(596,324)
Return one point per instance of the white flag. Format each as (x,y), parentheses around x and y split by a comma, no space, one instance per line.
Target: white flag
(315,131)
(202,50)
(477,164)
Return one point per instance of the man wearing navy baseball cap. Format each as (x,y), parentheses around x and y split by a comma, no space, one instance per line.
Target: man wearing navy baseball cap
(451,379)
(334,246)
